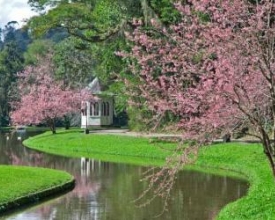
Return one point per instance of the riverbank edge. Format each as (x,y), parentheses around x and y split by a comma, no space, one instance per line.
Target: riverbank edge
(245,159)
(36,197)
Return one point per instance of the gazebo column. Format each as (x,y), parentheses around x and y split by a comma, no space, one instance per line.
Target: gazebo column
(100,111)
(88,109)
(88,112)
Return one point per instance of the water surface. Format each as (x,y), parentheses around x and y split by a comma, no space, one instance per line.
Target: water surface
(106,191)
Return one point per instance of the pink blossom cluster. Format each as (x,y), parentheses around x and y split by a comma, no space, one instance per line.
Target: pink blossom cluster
(215,69)
(42,99)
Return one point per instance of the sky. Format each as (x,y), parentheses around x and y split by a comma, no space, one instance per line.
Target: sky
(14,10)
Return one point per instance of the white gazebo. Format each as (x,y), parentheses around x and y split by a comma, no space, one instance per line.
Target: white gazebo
(99,112)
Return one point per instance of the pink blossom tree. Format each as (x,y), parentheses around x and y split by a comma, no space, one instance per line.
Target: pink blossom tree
(42,99)
(215,70)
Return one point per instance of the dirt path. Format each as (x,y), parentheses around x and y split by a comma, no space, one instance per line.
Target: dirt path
(126,132)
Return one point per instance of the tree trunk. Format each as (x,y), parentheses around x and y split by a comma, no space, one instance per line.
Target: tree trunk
(269,152)
(51,125)
(66,122)
(271,161)
(148,12)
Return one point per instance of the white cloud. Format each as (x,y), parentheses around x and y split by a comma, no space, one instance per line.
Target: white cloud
(14,10)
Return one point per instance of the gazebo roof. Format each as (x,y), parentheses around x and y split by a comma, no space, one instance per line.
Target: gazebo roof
(95,86)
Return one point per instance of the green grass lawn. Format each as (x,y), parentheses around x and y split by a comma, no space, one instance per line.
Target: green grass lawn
(73,143)
(245,159)
(18,183)
(6,129)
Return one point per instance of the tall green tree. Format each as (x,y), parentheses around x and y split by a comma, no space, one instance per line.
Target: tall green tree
(37,49)
(11,62)
(98,26)
(74,64)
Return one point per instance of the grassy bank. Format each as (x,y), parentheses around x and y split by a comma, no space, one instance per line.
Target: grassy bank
(6,129)
(22,185)
(246,159)
(249,160)
(102,147)
(28,128)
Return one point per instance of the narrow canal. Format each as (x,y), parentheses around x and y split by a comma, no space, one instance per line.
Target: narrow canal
(106,191)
